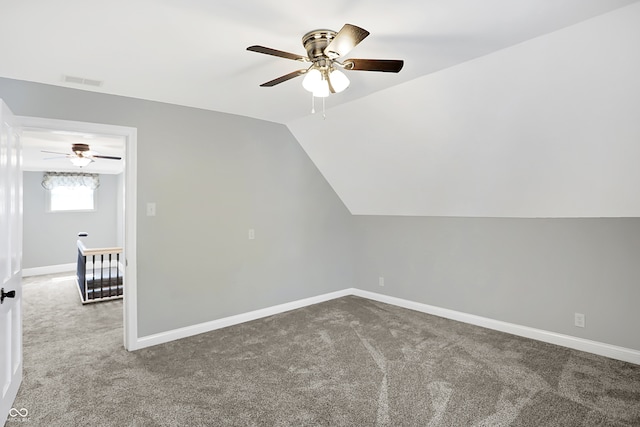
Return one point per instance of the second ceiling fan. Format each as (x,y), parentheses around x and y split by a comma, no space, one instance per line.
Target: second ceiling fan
(82,155)
(324,50)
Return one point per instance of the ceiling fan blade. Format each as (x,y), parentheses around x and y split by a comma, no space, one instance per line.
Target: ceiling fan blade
(283,78)
(105,157)
(279,53)
(346,39)
(383,65)
(56,152)
(57,157)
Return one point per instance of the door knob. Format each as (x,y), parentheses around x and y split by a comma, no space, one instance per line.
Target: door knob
(3,295)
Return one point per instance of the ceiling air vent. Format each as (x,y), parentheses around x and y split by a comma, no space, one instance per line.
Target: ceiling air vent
(82,81)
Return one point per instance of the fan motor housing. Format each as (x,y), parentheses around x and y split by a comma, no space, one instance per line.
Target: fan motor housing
(316,41)
(79,148)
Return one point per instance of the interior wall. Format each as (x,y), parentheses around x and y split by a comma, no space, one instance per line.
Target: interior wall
(530,272)
(214,176)
(441,151)
(49,238)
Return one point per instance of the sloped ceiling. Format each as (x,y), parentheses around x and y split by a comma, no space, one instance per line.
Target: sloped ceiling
(547,128)
(413,143)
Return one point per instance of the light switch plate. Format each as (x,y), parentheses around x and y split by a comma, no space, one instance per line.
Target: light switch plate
(151,209)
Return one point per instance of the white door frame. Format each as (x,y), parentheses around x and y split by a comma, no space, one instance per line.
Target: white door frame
(130,304)
(10,264)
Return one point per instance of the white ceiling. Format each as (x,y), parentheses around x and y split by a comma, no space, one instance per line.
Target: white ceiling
(193,53)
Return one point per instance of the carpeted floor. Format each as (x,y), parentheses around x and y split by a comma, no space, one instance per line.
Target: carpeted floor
(346,362)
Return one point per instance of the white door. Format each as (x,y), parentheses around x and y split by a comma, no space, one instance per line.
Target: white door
(10,263)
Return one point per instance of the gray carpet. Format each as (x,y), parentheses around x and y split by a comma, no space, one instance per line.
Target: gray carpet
(346,362)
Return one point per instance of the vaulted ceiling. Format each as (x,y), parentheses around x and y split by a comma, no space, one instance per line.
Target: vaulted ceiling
(469,127)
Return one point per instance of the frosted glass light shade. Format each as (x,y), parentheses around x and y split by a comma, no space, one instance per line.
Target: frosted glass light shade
(322,89)
(312,80)
(339,81)
(315,82)
(80,161)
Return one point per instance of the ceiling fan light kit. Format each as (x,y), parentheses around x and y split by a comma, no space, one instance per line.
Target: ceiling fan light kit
(80,161)
(320,82)
(324,47)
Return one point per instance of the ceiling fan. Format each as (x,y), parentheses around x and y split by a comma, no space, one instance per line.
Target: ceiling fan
(324,48)
(82,155)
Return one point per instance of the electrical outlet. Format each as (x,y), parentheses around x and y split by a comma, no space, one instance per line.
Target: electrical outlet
(252,234)
(579,320)
(381,281)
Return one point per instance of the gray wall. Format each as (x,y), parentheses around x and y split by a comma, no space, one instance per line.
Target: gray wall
(531,272)
(49,238)
(214,176)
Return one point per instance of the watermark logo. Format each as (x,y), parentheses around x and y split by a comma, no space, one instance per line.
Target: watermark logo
(21,414)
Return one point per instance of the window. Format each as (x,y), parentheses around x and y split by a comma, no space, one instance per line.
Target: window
(70,191)
(71,199)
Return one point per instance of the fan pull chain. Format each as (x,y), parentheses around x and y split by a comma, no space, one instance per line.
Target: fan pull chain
(313,106)
(324,116)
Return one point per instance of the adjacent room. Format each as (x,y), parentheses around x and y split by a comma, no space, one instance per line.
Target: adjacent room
(72,208)
(364,213)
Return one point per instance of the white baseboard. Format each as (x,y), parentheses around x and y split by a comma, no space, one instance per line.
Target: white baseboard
(602,349)
(200,328)
(595,347)
(49,269)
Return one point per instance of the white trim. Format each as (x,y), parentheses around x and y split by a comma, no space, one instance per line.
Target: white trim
(48,269)
(130,294)
(602,349)
(200,328)
(595,347)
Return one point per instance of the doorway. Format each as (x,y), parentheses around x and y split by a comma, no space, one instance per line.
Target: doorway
(127,200)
